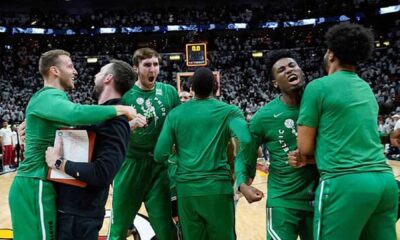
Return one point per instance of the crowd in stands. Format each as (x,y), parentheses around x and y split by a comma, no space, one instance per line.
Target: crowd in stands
(244,79)
(155,15)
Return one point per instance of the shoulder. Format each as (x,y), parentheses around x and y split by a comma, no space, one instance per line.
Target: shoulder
(318,85)
(223,106)
(54,91)
(50,92)
(265,111)
(234,109)
(129,93)
(46,96)
(318,82)
(166,87)
(177,110)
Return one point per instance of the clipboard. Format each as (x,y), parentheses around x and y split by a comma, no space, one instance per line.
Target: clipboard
(87,145)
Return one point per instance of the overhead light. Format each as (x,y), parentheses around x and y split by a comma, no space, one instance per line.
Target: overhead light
(174,57)
(34,22)
(386,43)
(257,54)
(91,60)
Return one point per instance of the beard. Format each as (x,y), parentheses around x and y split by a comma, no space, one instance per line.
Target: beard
(67,84)
(97,91)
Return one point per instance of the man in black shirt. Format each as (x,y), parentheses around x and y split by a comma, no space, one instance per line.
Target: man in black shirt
(81,211)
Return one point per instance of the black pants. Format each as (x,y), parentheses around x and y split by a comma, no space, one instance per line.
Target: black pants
(72,227)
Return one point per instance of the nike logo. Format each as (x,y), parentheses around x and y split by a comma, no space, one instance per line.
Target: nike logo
(277,115)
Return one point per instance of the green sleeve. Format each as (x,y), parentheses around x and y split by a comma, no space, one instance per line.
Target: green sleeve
(310,108)
(175,95)
(56,106)
(240,131)
(246,160)
(165,142)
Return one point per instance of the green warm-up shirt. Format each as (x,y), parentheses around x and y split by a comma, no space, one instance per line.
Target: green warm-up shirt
(48,110)
(154,104)
(343,109)
(275,125)
(201,130)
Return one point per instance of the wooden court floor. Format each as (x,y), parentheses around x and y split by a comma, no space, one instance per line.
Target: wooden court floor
(250,218)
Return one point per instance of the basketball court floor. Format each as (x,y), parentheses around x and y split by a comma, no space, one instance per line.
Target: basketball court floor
(250,218)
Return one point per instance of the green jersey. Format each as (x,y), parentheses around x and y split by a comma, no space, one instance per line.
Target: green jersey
(154,105)
(288,187)
(201,130)
(343,108)
(48,110)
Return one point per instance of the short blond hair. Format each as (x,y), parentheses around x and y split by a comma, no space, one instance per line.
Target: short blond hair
(49,59)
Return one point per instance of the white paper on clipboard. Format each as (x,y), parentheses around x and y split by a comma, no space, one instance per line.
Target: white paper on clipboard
(75,148)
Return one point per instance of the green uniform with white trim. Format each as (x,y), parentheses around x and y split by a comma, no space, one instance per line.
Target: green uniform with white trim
(357,196)
(290,190)
(140,178)
(201,130)
(32,198)
(171,174)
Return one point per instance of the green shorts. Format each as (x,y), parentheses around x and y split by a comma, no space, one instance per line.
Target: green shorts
(356,206)
(207,217)
(138,181)
(288,224)
(33,209)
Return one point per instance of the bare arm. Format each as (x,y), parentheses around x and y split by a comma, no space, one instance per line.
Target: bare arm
(306,142)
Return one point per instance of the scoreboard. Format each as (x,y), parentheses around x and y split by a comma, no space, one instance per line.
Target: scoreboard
(196,54)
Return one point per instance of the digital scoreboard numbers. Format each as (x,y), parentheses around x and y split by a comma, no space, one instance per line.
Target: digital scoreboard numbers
(196,54)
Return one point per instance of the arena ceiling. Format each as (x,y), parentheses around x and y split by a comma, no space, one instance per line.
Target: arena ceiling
(82,5)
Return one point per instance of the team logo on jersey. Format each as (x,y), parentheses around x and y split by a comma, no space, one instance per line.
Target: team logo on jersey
(158,91)
(289,123)
(149,111)
(140,101)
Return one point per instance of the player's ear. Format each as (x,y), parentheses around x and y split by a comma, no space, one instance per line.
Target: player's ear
(331,55)
(108,78)
(275,84)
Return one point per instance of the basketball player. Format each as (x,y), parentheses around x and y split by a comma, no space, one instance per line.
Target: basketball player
(203,178)
(81,211)
(32,198)
(357,195)
(290,190)
(141,179)
(184,96)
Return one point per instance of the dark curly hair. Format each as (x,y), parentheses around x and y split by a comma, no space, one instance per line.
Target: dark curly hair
(351,43)
(275,56)
(203,82)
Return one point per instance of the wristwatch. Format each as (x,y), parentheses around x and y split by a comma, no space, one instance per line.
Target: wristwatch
(58,163)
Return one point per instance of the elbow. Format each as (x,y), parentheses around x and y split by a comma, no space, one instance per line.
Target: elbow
(158,158)
(245,140)
(103,178)
(102,182)
(160,155)
(105,183)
